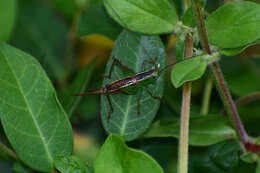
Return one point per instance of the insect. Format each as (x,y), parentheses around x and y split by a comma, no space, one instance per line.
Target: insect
(130,84)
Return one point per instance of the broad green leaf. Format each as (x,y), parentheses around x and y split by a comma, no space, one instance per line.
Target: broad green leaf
(188,70)
(116,157)
(149,17)
(132,49)
(95,20)
(42,33)
(219,158)
(234,25)
(237,50)
(7,16)
(33,119)
(204,130)
(69,101)
(71,164)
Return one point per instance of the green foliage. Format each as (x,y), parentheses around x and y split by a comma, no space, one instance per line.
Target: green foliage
(7,18)
(71,164)
(237,50)
(219,158)
(212,129)
(229,27)
(157,17)
(188,70)
(40,32)
(19,168)
(78,85)
(116,157)
(249,157)
(94,20)
(180,48)
(35,130)
(188,18)
(32,117)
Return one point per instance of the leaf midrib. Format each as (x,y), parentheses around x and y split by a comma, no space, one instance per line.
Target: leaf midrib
(29,109)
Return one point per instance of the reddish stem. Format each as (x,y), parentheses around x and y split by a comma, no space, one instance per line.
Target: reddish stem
(220,81)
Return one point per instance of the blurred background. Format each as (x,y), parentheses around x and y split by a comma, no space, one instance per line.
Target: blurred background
(75,60)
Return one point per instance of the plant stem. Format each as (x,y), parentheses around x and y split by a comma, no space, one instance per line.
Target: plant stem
(245,100)
(4,148)
(206,96)
(220,81)
(185,117)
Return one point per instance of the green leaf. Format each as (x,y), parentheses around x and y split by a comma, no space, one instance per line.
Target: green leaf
(69,101)
(188,70)
(33,119)
(180,48)
(249,157)
(188,18)
(258,167)
(132,49)
(237,50)
(204,130)
(40,32)
(95,20)
(116,157)
(7,17)
(71,164)
(149,17)
(219,158)
(234,25)
(68,7)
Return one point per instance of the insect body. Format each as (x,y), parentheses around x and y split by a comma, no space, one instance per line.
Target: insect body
(128,85)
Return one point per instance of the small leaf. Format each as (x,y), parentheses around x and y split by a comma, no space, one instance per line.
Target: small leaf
(149,17)
(234,25)
(71,164)
(180,48)
(188,70)
(132,49)
(116,157)
(7,17)
(33,119)
(95,20)
(249,157)
(204,130)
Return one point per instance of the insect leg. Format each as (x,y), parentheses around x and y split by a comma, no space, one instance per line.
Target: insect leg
(155,97)
(153,62)
(111,107)
(115,60)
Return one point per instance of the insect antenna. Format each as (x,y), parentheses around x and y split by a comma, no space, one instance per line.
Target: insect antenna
(166,67)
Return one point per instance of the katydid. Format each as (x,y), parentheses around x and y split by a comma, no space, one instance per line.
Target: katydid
(130,84)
